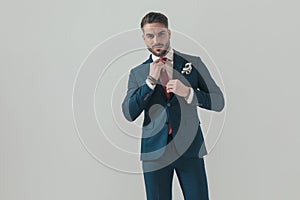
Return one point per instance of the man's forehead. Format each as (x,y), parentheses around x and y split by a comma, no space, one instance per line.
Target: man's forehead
(154,28)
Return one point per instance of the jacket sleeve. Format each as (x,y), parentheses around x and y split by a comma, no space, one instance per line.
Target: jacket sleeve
(208,95)
(137,97)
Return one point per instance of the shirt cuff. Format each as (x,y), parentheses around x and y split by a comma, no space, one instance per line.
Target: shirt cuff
(189,99)
(150,85)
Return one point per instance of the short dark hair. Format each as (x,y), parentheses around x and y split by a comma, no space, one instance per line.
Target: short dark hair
(154,17)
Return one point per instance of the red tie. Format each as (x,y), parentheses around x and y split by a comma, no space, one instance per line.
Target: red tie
(164,79)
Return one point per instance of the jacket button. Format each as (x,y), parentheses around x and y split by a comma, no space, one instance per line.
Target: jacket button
(168,104)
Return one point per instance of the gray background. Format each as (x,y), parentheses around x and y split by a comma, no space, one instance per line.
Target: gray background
(254,43)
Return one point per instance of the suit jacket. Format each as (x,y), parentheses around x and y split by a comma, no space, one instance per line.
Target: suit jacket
(158,110)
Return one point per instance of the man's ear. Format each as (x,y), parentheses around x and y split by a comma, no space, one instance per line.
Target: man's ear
(169,31)
(143,34)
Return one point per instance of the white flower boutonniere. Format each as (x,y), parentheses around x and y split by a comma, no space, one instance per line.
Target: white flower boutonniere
(187,68)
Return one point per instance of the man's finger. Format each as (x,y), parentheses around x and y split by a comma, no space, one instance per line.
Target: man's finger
(171,82)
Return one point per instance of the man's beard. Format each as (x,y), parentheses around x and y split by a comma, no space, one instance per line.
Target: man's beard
(163,52)
(160,54)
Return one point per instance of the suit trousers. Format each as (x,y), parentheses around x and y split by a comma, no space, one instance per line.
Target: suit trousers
(158,176)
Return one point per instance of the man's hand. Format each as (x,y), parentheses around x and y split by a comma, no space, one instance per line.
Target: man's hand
(155,68)
(178,88)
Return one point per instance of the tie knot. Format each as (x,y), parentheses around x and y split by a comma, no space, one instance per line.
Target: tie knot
(163,59)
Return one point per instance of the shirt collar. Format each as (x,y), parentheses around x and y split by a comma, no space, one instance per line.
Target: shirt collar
(169,55)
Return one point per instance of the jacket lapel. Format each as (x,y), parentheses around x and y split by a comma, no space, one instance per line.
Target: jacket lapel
(178,64)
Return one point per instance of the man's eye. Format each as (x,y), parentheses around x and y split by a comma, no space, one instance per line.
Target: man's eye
(150,36)
(161,34)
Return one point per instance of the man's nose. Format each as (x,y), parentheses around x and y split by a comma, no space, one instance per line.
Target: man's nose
(156,40)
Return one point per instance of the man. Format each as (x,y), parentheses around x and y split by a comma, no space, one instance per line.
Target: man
(168,87)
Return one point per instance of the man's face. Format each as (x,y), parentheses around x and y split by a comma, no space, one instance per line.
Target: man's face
(157,38)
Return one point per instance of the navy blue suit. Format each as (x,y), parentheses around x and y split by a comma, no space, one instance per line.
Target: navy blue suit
(162,154)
